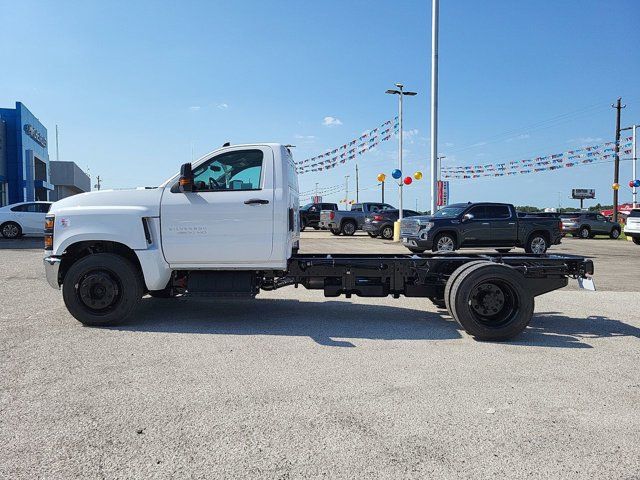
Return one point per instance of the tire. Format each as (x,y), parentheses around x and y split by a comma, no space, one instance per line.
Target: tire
(536,243)
(121,289)
(348,228)
(316,228)
(335,232)
(11,230)
(444,242)
(372,235)
(303,225)
(636,240)
(503,250)
(584,232)
(387,232)
(453,277)
(491,302)
(416,250)
(614,234)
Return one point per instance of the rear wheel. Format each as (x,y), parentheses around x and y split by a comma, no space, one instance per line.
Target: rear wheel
(615,233)
(453,277)
(584,232)
(636,240)
(11,230)
(348,228)
(444,243)
(335,231)
(372,235)
(537,243)
(387,232)
(102,289)
(491,302)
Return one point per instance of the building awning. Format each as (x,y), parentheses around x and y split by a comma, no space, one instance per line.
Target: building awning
(42,184)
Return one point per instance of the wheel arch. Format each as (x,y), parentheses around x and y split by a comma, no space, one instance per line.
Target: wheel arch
(453,233)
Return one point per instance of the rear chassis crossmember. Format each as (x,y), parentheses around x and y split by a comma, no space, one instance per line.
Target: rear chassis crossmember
(376,275)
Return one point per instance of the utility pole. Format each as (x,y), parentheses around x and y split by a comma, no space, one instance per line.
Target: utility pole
(97,185)
(346,191)
(434,104)
(57,149)
(616,164)
(357,185)
(382,183)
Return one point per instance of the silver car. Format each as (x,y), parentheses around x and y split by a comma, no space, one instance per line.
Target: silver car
(589,224)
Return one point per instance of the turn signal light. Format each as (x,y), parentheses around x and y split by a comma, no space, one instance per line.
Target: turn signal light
(377,218)
(48,223)
(48,242)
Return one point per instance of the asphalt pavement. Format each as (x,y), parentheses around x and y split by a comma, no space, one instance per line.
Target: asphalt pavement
(293,385)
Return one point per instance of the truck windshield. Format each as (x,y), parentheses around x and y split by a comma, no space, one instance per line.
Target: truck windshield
(449,212)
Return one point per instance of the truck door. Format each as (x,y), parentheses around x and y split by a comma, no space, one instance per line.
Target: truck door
(228,218)
(504,225)
(477,231)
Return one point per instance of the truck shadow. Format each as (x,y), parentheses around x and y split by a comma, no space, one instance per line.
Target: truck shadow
(24,243)
(553,329)
(333,323)
(328,323)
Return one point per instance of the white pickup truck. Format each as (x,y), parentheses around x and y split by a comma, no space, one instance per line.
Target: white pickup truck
(228,226)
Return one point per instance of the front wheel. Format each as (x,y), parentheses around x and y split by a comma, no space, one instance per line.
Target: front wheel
(444,243)
(537,244)
(102,289)
(11,230)
(615,233)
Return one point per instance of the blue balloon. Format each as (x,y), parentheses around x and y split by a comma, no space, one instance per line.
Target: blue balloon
(636,183)
(396,173)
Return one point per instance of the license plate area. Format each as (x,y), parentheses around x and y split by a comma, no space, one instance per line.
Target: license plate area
(587,284)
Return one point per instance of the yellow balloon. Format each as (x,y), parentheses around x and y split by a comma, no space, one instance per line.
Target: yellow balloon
(381,177)
(615,186)
(417,175)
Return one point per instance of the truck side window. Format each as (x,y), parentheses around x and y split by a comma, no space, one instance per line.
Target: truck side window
(479,212)
(239,170)
(498,211)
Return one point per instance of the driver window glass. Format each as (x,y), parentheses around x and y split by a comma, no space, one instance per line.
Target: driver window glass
(479,213)
(240,170)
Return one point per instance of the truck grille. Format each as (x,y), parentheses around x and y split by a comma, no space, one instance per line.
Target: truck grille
(409,227)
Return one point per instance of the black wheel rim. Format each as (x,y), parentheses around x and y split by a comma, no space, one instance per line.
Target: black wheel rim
(493,303)
(348,228)
(99,291)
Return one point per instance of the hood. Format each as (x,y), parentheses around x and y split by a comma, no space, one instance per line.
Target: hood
(146,200)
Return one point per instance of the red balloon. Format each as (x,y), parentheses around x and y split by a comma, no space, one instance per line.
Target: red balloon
(408,180)
(631,183)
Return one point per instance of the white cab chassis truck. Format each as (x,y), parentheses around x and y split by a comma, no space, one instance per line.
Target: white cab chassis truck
(228,226)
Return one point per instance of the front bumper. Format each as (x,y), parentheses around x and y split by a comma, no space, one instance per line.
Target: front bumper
(422,240)
(51,269)
(632,233)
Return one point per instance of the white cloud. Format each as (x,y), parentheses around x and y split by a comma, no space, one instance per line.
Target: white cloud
(408,134)
(448,144)
(584,140)
(523,136)
(304,137)
(222,106)
(331,121)
(194,108)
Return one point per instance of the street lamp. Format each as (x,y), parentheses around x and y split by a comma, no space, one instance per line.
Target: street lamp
(401,93)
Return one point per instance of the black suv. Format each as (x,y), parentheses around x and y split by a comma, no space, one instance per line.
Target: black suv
(310,214)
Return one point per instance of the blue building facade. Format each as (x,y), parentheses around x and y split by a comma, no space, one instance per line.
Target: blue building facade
(24,157)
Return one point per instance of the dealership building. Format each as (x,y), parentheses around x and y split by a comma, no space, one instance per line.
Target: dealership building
(26,174)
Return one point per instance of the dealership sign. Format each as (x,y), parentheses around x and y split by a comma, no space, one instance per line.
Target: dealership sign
(443,193)
(583,193)
(36,135)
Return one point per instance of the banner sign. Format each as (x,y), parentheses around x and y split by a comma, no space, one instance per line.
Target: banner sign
(443,193)
(349,151)
(556,161)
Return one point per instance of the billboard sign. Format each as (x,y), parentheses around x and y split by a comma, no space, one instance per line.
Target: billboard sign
(583,193)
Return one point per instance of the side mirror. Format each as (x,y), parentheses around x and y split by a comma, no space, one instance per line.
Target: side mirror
(467,216)
(186,178)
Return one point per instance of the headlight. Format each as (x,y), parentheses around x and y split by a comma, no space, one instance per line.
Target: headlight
(425,224)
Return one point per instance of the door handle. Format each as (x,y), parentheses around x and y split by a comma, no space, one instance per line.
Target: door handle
(511,223)
(484,224)
(254,201)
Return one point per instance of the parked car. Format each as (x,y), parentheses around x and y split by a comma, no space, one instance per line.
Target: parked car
(24,218)
(346,222)
(464,225)
(380,224)
(310,214)
(589,224)
(632,228)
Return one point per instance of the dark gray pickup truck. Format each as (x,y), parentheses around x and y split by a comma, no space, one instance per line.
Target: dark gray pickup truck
(347,222)
(495,225)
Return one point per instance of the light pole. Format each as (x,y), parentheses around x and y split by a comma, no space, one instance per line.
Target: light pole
(434,103)
(401,93)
